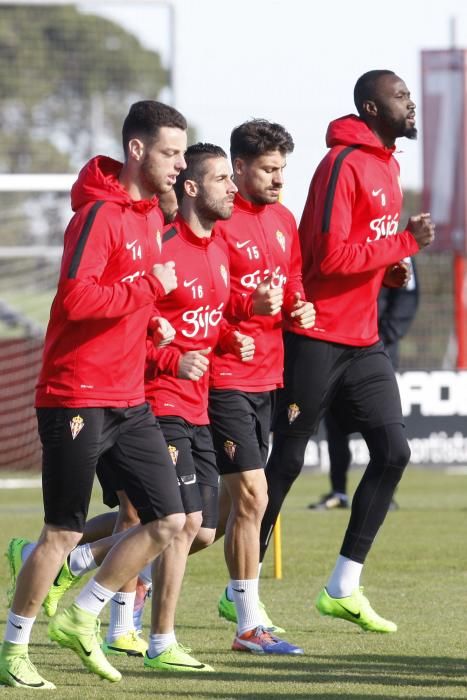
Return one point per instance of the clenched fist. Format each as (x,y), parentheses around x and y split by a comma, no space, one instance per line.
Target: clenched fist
(165,273)
(162,332)
(243,346)
(267,300)
(422,229)
(303,312)
(397,276)
(193,364)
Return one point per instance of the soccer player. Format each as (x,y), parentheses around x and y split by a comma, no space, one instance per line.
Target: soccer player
(397,307)
(90,394)
(177,380)
(264,250)
(350,242)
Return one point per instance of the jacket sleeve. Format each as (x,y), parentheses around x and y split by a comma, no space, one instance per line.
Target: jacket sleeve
(85,257)
(161,360)
(240,306)
(328,216)
(225,342)
(294,278)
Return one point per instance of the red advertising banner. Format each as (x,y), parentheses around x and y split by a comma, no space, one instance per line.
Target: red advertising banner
(445,145)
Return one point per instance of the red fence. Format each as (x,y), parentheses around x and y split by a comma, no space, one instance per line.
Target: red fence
(20,361)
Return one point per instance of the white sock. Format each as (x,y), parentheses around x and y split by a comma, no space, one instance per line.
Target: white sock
(81,560)
(93,597)
(345,578)
(245,595)
(27,550)
(18,628)
(159,643)
(146,575)
(229,591)
(121,615)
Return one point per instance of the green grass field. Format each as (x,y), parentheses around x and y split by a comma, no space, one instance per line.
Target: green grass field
(416,575)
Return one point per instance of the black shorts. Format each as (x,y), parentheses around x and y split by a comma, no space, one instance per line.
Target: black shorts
(240,424)
(192,452)
(73,439)
(109,480)
(356,384)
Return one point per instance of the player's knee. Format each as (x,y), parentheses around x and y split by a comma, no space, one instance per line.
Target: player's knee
(205,537)
(252,503)
(287,458)
(389,446)
(164,529)
(62,541)
(401,455)
(193,523)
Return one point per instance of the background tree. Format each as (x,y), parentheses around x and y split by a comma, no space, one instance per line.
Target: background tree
(67,80)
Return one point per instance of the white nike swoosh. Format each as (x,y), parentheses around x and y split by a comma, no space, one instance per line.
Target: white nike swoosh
(242,245)
(129,246)
(375,193)
(188,284)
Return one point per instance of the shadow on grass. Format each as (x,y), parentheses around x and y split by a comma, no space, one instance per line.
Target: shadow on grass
(394,671)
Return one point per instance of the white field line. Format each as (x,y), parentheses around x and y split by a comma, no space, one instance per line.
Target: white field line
(20,483)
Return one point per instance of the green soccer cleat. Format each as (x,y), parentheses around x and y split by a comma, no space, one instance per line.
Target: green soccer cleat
(129,644)
(176,658)
(354,608)
(62,583)
(226,609)
(17,671)
(15,562)
(77,629)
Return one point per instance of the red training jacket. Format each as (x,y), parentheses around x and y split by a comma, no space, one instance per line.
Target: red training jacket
(95,347)
(348,233)
(195,309)
(262,240)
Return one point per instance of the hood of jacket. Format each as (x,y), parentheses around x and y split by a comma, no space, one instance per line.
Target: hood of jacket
(352,131)
(98,180)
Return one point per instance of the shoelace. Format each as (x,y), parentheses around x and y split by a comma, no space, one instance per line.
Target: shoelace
(135,635)
(263,633)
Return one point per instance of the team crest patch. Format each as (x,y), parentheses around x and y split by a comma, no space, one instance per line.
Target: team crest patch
(281,239)
(173,452)
(223,272)
(293,412)
(76,426)
(159,240)
(230,448)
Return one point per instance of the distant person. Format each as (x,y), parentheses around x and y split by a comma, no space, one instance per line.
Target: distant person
(90,394)
(397,307)
(350,242)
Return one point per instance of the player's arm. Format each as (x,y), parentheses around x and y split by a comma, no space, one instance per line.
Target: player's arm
(161,360)
(335,255)
(231,340)
(300,311)
(84,260)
